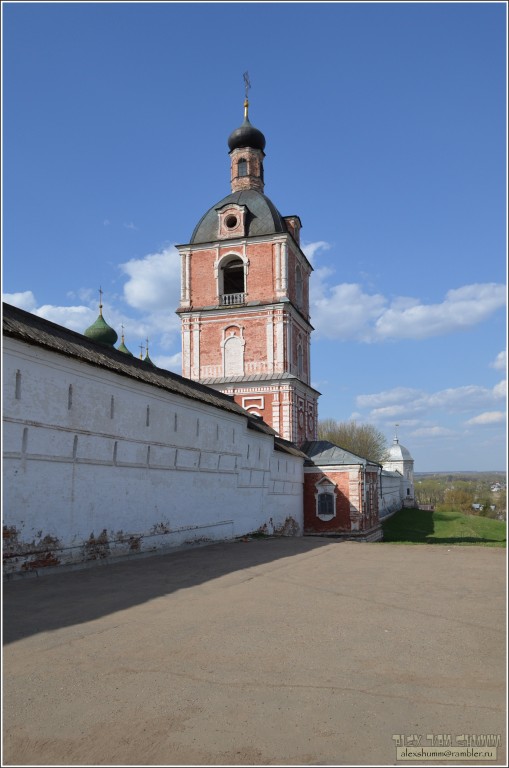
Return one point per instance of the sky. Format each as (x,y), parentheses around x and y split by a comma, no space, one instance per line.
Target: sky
(386,134)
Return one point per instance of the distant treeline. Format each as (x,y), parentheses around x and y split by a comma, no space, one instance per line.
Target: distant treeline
(474,493)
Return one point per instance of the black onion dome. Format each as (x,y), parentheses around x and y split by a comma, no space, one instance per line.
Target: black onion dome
(246,136)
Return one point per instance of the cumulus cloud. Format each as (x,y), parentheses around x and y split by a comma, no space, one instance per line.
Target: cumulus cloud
(388,397)
(343,311)
(488,417)
(418,408)
(169,362)
(154,281)
(23,300)
(500,389)
(461,308)
(500,362)
(76,318)
(310,249)
(346,311)
(432,432)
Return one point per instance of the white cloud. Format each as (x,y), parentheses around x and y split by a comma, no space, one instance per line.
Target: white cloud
(23,300)
(488,417)
(500,362)
(345,311)
(169,362)
(404,403)
(154,281)
(388,397)
(461,308)
(75,318)
(432,432)
(310,249)
(500,389)
(130,225)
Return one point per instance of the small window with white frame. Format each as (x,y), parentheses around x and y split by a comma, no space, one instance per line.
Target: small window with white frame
(325,497)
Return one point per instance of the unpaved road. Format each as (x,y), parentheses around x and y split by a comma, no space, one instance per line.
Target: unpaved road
(270,652)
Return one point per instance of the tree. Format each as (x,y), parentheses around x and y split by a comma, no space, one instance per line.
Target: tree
(362,439)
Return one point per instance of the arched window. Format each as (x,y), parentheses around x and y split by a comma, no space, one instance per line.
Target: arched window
(242,167)
(233,357)
(300,361)
(234,284)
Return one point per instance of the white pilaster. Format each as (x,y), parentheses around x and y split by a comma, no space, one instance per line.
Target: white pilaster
(277,248)
(196,351)
(284,267)
(270,344)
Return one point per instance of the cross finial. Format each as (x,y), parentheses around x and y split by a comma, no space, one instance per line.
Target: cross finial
(147,345)
(396,433)
(141,351)
(100,300)
(247,85)
(122,326)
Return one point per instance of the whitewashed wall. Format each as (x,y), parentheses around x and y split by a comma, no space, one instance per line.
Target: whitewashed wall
(390,494)
(98,465)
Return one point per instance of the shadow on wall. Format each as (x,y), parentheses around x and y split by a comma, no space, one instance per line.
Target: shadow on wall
(67,598)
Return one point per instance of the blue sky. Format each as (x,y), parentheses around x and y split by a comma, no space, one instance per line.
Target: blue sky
(386,133)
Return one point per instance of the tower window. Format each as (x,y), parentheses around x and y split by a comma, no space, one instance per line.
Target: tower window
(233,277)
(242,167)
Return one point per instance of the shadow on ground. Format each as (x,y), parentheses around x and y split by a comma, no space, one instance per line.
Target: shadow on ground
(73,597)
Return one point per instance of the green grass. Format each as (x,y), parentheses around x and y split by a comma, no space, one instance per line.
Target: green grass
(416,526)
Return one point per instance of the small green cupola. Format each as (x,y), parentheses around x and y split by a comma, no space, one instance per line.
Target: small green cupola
(147,359)
(100,331)
(122,347)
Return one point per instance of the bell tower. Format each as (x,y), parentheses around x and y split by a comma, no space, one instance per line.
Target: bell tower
(244,305)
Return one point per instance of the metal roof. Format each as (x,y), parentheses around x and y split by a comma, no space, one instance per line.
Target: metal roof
(398,452)
(262,217)
(324,453)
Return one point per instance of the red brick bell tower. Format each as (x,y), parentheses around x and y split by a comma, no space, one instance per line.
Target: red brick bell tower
(244,304)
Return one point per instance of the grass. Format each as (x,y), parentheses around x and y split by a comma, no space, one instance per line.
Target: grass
(417,526)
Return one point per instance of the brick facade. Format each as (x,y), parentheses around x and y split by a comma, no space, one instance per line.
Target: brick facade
(341,499)
(244,305)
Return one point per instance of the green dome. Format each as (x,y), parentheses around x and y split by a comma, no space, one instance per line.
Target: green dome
(147,359)
(122,348)
(101,332)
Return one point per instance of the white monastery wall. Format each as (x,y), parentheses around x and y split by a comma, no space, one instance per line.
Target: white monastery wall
(99,465)
(390,494)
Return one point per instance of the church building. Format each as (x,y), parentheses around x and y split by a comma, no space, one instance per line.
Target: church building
(106,455)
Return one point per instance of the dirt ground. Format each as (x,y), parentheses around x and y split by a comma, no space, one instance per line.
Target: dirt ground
(268,652)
